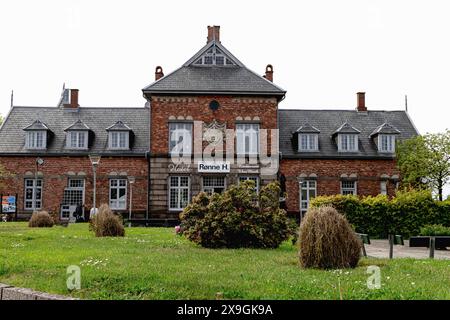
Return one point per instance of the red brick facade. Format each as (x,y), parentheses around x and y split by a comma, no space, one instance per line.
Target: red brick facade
(368,176)
(55,173)
(196,108)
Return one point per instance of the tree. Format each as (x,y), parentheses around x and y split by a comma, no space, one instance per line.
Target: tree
(1,119)
(425,160)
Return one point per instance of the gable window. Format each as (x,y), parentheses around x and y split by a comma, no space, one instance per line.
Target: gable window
(77,140)
(118,194)
(308,191)
(180,138)
(214,56)
(348,142)
(213,185)
(348,187)
(252,178)
(33,194)
(36,140)
(386,143)
(178,192)
(308,142)
(247,139)
(119,140)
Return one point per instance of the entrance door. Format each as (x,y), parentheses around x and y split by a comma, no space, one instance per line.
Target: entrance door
(73,196)
(308,190)
(213,184)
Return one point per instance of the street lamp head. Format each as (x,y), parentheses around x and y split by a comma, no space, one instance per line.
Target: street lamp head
(131,179)
(95,160)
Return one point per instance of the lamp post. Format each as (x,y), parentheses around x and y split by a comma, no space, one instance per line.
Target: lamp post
(95,161)
(39,162)
(131,180)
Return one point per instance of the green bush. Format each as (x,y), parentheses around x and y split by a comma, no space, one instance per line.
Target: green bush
(237,218)
(434,230)
(379,216)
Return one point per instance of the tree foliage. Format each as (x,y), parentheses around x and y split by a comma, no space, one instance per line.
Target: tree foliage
(425,160)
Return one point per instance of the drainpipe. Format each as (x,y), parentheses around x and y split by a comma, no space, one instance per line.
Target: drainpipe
(147,155)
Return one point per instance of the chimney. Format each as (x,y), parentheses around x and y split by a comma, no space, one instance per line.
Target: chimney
(361,102)
(213,34)
(269,73)
(158,73)
(70,98)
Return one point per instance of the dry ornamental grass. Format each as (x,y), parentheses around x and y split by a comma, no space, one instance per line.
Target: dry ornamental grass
(41,219)
(106,224)
(327,240)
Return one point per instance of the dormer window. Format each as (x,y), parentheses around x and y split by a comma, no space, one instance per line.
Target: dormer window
(120,136)
(79,136)
(308,142)
(348,142)
(37,135)
(347,138)
(77,140)
(307,137)
(384,138)
(119,140)
(36,140)
(386,143)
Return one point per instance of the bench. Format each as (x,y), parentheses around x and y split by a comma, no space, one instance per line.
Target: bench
(432,242)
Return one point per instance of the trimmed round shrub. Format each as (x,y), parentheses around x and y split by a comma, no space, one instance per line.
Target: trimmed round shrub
(237,218)
(106,224)
(41,219)
(327,240)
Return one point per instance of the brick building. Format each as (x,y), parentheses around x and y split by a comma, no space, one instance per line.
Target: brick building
(208,124)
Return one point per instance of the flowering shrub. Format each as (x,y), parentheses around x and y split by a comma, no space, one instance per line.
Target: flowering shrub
(237,218)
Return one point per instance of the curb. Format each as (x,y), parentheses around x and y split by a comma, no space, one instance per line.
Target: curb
(8,292)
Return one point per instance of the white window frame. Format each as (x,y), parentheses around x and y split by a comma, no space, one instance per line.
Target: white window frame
(178,189)
(34,189)
(344,142)
(115,203)
(311,186)
(389,146)
(246,178)
(32,139)
(243,131)
(383,187)
(347,190)
(116,143)
(311,142)
(177,130)
(210,189)
(80,137)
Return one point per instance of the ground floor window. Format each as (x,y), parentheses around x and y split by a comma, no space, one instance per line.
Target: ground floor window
(348,187)
(253,178)
(33,194)
(118,194)
(74,193)
(383,187)
(178,192)
(308,191)
(213,184)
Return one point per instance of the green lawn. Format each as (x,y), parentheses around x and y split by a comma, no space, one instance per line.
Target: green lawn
(154,263)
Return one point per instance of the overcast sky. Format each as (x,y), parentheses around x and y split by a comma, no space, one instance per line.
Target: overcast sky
(323,52)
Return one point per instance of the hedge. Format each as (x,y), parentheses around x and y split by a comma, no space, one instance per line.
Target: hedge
(378,216)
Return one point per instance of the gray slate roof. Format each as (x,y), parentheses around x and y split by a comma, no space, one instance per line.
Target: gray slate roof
(12,135)
(237,79)
(328,121)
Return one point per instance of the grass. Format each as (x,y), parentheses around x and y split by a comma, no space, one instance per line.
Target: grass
(154,263)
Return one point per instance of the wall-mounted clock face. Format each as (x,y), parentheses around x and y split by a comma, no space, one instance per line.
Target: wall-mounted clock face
(214,105)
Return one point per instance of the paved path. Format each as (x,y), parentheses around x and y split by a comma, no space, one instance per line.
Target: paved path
(380,249)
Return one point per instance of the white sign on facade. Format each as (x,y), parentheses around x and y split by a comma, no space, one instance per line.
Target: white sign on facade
(214,167)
